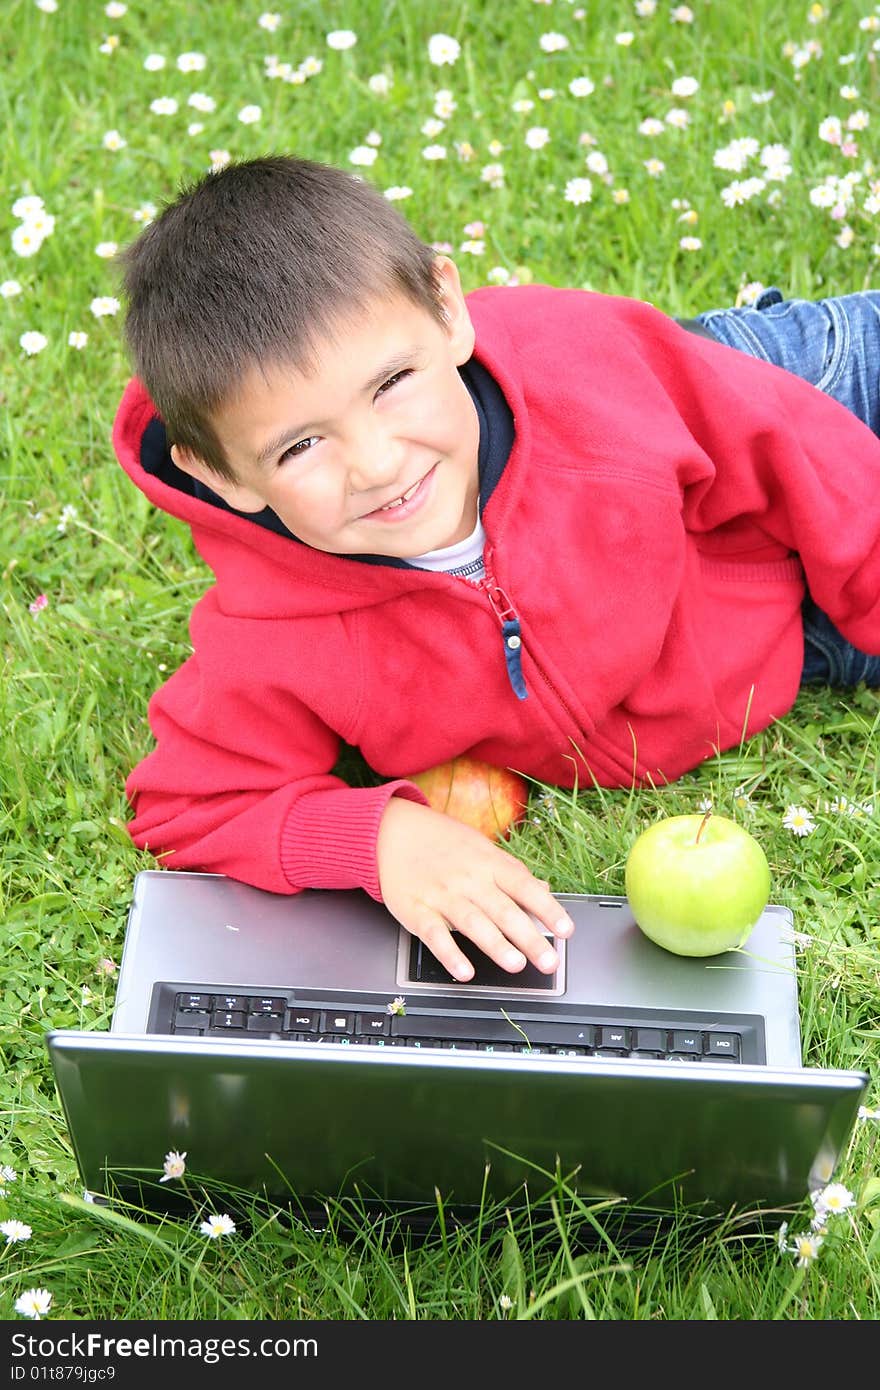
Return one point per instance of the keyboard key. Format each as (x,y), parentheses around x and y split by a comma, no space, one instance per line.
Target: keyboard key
(194,1001)
(375,1025)
(190,1019)
(537,1031)
(651,1040)
(611,1038)
(265,1023)
(266,1004)
(228,1021)
(686,1041)
(229,1003)
(340,1022)
(724,1046)
(303,1020)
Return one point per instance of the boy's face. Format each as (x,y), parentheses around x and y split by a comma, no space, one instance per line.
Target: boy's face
(386,416)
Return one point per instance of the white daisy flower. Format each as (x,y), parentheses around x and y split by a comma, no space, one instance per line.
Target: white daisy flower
(685,87)
(26,240)
(34,1303)
(174,1165)
(553,43)
(443,50)
(27,207)
(32,342)
(341,39)
(215,1226)
(833,1199)
(191,62)
(806,1247)
(579,191)
(798,820)
(15,1231)
(104,305)
(537,137)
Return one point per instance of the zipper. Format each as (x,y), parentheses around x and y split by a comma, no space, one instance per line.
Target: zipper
(511,632)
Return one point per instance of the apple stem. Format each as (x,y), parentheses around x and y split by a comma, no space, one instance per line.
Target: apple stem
(702,825)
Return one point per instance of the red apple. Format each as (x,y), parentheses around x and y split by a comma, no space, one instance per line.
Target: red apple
(489,798)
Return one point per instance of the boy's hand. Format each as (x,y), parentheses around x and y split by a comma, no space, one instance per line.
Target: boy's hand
(438,876)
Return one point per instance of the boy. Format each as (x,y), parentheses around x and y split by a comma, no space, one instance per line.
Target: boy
(547,527)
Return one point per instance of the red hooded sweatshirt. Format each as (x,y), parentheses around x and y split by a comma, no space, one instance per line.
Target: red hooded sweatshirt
(648,543)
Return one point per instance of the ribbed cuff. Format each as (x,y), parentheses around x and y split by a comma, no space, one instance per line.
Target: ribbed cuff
(329,838)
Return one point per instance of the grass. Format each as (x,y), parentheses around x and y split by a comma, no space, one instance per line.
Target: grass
(119,582)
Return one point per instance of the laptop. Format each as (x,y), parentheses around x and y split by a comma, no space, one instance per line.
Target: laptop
(309,1049)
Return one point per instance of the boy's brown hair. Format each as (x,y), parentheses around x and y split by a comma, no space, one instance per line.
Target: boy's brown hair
(256,263)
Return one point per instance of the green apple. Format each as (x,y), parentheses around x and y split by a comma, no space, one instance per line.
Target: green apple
(697,884)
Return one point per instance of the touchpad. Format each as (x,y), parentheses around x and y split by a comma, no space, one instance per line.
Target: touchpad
(421,967)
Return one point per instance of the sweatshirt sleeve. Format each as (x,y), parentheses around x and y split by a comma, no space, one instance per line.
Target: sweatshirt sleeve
(778,463)
(239,781)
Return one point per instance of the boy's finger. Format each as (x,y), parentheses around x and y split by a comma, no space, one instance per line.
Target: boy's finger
(534,896)
(433,930)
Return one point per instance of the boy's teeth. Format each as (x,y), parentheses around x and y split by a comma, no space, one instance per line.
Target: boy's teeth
(399,501)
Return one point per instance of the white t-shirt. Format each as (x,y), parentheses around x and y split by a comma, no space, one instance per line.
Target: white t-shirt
(465,558)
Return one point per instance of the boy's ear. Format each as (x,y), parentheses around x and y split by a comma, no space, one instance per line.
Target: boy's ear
(234,494)
(456,319)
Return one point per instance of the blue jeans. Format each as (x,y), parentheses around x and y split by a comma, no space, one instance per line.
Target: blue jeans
(835,344)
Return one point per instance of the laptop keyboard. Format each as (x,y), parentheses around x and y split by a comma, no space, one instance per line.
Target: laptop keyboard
(364,1023)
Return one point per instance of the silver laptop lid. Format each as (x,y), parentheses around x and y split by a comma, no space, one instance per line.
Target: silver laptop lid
(302,1122)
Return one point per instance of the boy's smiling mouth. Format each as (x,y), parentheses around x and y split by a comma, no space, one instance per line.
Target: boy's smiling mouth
(405,504)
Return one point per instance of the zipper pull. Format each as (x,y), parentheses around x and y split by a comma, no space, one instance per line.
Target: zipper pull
(511,635)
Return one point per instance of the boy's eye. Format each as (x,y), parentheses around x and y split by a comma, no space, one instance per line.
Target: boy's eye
(300,447)
(393,380)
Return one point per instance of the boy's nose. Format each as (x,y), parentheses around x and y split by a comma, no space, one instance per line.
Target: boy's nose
(374,461)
